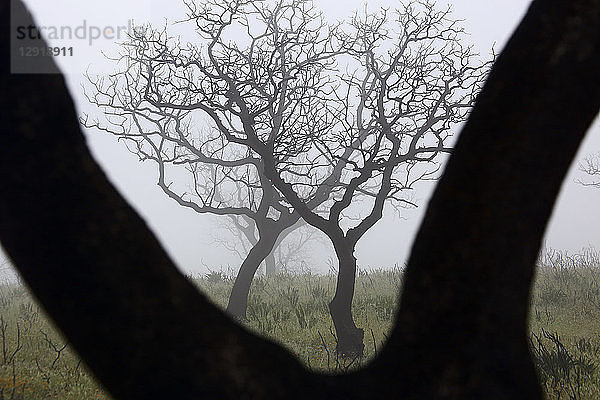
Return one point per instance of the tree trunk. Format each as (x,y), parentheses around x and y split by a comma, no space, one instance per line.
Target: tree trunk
(270,266)
(238,300)
(349,337)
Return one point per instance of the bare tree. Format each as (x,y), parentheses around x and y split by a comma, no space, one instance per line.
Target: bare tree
(225,179)
(294,249)
(461,331)
(325,115)
(590,166)
(300,249)
(153,106)
(399,107)
(242,227)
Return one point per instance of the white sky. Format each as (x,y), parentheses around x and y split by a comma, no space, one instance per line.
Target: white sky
(185,235)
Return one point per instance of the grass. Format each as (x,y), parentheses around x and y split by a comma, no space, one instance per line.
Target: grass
(565,325)
(36,363)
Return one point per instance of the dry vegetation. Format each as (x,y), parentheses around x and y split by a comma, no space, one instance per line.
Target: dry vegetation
(36,363)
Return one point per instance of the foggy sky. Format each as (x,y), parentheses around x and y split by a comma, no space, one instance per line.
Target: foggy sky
(185,234)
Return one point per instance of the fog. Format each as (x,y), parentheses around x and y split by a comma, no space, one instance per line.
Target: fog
(187,235)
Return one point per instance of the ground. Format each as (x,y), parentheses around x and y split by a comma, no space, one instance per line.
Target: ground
(36,363)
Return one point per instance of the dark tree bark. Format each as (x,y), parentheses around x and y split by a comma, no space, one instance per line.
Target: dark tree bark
(238,300)
(261,250)
(270,235)
(350,338)
(468,282)
(99,272)
(461,329)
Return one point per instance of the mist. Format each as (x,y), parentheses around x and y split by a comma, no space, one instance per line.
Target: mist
(189,238)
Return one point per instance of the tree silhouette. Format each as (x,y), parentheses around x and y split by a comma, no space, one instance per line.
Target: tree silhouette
(169,104)
(461,328)
(327,115)
(399,109)
(590,166)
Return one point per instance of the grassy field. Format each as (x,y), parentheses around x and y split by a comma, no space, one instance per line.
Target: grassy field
(36,363)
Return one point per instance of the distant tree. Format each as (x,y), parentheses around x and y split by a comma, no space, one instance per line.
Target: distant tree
(238,232)
(590,166)
(293,250)
(461,330)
